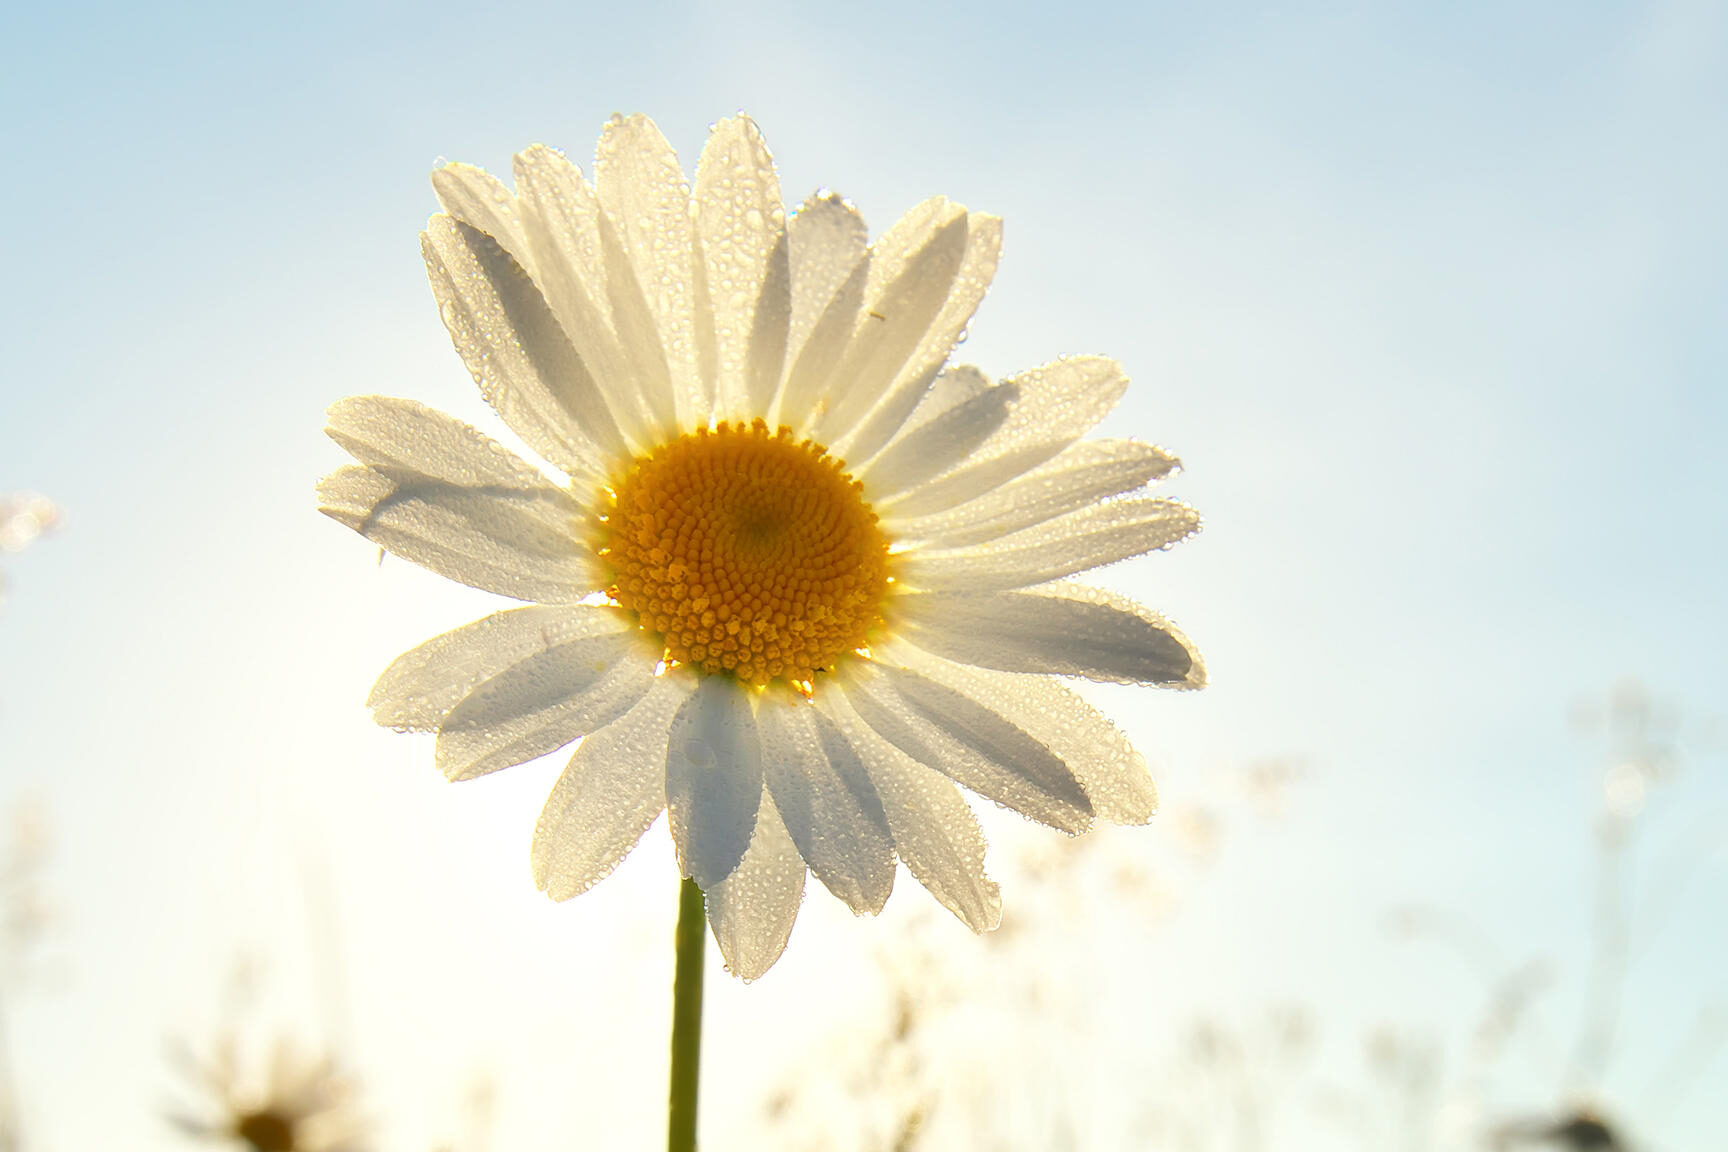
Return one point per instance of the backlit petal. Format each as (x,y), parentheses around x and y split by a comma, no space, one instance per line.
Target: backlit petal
(421,686)
(828,803)
(965,292)
(1088,538)
(515,540)
(940,443)
(1061,629)
(404,438)
(543,702)
(713,779)
(647,205)
(1082,474)
(1059,402)
(516,350)
(963,739)
(893,325)
(480,200)
(753,909)
(741,229)
(935,833)
(612,790)
(1113,774)
(828,241)
(561,218)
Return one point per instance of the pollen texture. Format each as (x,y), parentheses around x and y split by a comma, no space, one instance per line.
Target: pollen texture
(747,553)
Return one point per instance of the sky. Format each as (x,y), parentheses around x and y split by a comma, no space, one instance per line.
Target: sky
(1428,298)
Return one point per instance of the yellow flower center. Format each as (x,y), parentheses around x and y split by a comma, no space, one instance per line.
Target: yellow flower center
(746,553)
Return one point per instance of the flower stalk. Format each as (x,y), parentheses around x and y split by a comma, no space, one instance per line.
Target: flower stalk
(689,943)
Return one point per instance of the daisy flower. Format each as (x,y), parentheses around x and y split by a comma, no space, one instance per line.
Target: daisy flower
(793,575)
(300,1105)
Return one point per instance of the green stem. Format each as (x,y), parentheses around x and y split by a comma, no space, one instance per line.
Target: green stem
(690,940)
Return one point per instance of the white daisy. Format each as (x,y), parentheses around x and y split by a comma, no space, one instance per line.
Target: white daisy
(797,575)
(299,1105)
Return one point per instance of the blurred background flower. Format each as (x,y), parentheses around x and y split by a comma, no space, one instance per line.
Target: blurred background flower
(24,516)
(288,1102)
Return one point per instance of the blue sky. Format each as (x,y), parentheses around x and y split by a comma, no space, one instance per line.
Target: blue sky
(1428,298)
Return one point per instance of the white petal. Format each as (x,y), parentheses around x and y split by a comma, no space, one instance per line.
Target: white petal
(804,396)
(515,540)
(1084,473)
(766,364)
(900,245)
(964,740)
(828,241)
(543,702)
(1063,629)
(938,444)
(1101,758)
(741,223)
(893,325)
(516,350)
(828,804)
(612,790)
(934,831)
(1059,402)
(552,196)
(478,199)
(421,686)
(670,381)
(953,386)
(1089,538)
(965,293)
(647,203)
(398,436)
(561,218)
(753,909)
(713,779)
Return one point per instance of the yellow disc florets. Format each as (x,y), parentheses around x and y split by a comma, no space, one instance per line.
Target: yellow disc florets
(746,552)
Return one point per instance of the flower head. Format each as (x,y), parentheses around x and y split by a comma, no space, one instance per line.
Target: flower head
(797,575)
(298,1105)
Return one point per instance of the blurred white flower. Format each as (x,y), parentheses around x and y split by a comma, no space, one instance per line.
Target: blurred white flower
(799,575)
(298,1104)
(23,517)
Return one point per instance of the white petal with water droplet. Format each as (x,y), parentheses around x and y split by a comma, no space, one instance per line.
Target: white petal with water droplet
(647,202)
(1082,474)
(938,444)
(964,740)
(543,702)
(421,686)
(516,350)
(810,374)
(828,241)
(1113,774)
(965,292)
(741,228)
(713,779)
(515,540)
(607,797)
(1088,538)
(480,200)
(403,437)
(892,326)
(1060,629)
(561,218)
(935,834)
(1059,402)
(829,806)
(753,910)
